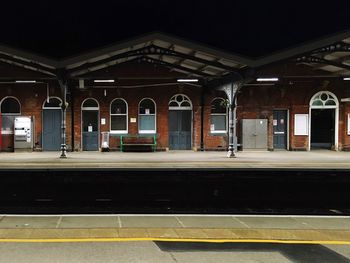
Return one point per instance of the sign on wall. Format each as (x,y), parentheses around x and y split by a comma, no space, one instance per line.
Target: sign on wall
(301,124)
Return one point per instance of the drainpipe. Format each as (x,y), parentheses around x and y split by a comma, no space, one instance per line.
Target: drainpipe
(72,118)
(202,119)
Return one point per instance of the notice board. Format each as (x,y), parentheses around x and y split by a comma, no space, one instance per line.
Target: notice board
(301,124)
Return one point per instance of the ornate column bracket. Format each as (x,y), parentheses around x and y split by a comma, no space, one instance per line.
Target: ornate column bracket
(231,90)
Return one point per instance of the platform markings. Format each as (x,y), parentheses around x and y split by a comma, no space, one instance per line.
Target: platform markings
(176,215)
(180,222)
(81,240)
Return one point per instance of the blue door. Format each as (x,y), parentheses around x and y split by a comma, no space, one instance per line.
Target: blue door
(51,129)
(280,129)
(90,130)
(180,122)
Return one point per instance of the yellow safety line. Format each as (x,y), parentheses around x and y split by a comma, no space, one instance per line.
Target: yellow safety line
(67,240)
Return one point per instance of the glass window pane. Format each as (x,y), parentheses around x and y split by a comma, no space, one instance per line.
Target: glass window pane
(118,123)
(185,104)
(173,104)
(10,105)
(118,107)
(218,106)
(147,107)
(317,103)
(90,103)
(219,122)
(147,122)
(330,102)
(7,123)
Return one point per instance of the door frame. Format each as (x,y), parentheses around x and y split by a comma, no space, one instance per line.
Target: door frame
(287,127)
(336,116)
(184,108)
(81,121)
(42,117)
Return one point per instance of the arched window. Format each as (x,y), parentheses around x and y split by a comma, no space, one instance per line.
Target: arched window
(180,102)
(10,108)
(324,99)
(218,116)
(119,116)
(147,116)
(52,103)
(90,104)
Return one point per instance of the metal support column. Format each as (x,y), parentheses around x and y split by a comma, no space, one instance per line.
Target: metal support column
(63,81)
(231,92)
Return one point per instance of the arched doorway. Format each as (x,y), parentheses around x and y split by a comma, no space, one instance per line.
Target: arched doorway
(90,125)
(180,123)
(10,109)
(324,112)
(52,121)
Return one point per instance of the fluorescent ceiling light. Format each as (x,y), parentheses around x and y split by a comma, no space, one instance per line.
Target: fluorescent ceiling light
(346,78)
(104,80)
(267,79)
(187,80)
(25,81)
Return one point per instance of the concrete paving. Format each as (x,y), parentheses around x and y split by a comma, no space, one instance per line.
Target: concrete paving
(233,228)
(178,159)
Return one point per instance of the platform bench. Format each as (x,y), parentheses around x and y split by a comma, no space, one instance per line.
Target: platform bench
(138,140)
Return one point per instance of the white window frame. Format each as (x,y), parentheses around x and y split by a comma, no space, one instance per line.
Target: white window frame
(154,114)
(218,114)
(9,114)
(336,109)
(179,104)
(118,114)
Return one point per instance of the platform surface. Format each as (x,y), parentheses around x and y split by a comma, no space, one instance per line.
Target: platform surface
(195,228)
(178,159)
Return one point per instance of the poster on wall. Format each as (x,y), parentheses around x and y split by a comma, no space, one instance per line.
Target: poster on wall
(301,124)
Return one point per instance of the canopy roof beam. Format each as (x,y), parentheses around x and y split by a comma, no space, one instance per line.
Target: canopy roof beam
(26,64)
(317,60)
(152,50)
(175,66)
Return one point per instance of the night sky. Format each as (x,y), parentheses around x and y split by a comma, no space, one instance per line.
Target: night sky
(253,28)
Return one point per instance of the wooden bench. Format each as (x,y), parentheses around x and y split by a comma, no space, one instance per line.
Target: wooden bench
(138,140)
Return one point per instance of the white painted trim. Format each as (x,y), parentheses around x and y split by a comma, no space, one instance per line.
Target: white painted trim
(81,121)
(155,118)
(219,114)
(336,117)
(20,106)
(118,114)
(53,97)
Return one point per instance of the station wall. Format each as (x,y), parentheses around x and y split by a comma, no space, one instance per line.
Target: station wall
(254,101)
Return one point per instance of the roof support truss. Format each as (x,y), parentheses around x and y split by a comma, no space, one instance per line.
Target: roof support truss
(314,59)
(151,50)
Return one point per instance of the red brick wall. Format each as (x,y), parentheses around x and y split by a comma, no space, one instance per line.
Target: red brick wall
(258,101)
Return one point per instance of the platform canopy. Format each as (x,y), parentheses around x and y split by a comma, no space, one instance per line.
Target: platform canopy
(330,54)
(189,58)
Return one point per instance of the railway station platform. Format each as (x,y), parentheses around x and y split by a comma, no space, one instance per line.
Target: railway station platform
(186,228)
(320,159)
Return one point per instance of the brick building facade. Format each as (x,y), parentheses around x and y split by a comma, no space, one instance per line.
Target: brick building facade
(136,80)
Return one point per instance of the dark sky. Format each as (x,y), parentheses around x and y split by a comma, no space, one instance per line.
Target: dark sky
(252,28)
